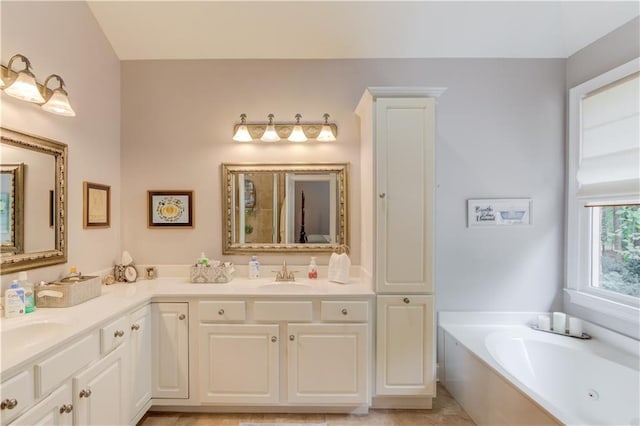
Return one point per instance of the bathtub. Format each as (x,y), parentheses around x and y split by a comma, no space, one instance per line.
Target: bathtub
(503,372)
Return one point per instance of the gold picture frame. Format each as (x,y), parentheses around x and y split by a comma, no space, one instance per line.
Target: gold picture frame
(96,205)
(170,209)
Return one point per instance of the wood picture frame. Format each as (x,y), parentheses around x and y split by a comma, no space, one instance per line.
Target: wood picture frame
(170,209)
(96,205)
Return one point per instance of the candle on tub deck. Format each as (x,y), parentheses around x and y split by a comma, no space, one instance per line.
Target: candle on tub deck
(559,322)
(575,326)
(544,322)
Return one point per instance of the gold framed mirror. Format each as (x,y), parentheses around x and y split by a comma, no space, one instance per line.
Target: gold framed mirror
(11,208)
(284,207)
(40,218)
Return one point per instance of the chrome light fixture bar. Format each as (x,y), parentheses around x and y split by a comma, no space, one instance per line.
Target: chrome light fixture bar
(23,85)
(271,131)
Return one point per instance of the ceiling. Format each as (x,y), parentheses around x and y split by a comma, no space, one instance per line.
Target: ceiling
(140,30)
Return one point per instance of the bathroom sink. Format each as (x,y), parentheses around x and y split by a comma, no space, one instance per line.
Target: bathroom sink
(285,287)
(30,333)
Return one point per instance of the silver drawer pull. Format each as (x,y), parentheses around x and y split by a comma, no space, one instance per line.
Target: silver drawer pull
(182,316)
(85,393)
(118,333)
(135,327)
(382,195)
(274,339)
(292,337)
(406,300)
(221,312)
(9,404)
(344,311)
(66,408)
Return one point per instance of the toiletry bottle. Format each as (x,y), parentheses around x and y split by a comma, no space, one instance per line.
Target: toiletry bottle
(313,269)
(254,268)
(74,275)
(29,301)
(14,300)
(204,261)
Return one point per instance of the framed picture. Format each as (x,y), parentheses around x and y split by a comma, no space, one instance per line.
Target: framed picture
(96,205)
(170,209)
(499,212)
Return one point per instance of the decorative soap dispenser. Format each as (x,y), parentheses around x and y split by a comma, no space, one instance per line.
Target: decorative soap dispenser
(313,269)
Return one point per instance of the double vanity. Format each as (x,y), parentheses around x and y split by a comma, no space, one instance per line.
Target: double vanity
(168,343)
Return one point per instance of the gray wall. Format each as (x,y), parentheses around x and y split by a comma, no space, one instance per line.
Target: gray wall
(612,50)
(500,133)
(64,38)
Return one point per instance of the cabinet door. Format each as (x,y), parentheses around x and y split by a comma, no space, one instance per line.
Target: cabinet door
(170,355)
(328,363)
(139,356)
(405,140)
(100,392)
(239,363)
(54,410)
(405,346)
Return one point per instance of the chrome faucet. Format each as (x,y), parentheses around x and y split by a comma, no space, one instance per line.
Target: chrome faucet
(284,274)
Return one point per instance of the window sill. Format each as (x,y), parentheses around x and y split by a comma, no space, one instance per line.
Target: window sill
(604,306)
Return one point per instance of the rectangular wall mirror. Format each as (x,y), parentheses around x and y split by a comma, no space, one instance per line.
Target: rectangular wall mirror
(32,201)
(284,207)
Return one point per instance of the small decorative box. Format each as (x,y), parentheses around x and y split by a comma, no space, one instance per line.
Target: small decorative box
(222,273)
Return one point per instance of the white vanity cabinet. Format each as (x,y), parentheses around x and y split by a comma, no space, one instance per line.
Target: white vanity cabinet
(170,350)
(54,410)
(139,362)
(405,348)
(239,363)
(284,351)
(100,392)
(16,393)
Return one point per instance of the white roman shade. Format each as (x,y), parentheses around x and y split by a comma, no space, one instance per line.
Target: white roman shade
(609,165)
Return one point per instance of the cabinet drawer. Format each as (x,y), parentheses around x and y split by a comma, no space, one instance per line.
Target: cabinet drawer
(18,393)
(344,311)
(283,311)
(113,334)
(53,370)
(222,311)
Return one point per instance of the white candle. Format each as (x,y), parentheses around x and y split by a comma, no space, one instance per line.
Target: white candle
(544,322)
(575,326)
(559,322)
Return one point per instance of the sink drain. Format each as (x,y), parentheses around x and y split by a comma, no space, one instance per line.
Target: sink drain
(593,394)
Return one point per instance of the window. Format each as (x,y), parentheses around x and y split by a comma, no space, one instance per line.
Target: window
(603,190)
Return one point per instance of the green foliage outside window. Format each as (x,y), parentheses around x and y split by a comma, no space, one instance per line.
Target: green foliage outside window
(620,249)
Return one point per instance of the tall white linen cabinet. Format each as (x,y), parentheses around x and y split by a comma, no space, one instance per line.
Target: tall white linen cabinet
(397,127)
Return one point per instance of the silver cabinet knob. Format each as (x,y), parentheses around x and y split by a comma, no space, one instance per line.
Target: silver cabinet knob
(9,404)
(118,333)
(274,339)
(85,393)
(66,408)
(292,337)
(382,194)
(221,312)
(135,327)
(182,316)
(344,311)
(406,300)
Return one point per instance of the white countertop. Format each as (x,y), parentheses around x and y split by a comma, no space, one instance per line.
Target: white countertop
(64,324)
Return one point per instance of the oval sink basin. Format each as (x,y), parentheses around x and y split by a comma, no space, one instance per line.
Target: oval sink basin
(286,287)
(31,332)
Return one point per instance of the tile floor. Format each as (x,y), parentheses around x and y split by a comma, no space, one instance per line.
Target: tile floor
(446,411)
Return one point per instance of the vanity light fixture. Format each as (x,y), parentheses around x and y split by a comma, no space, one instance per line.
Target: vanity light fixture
(242,132)
(326,134)
(270,134)
(24,86)
(271,131)
(297,134)
(58,102)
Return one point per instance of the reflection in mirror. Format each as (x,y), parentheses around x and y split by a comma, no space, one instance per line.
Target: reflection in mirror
(284,207)
(11,208)
(40,217)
